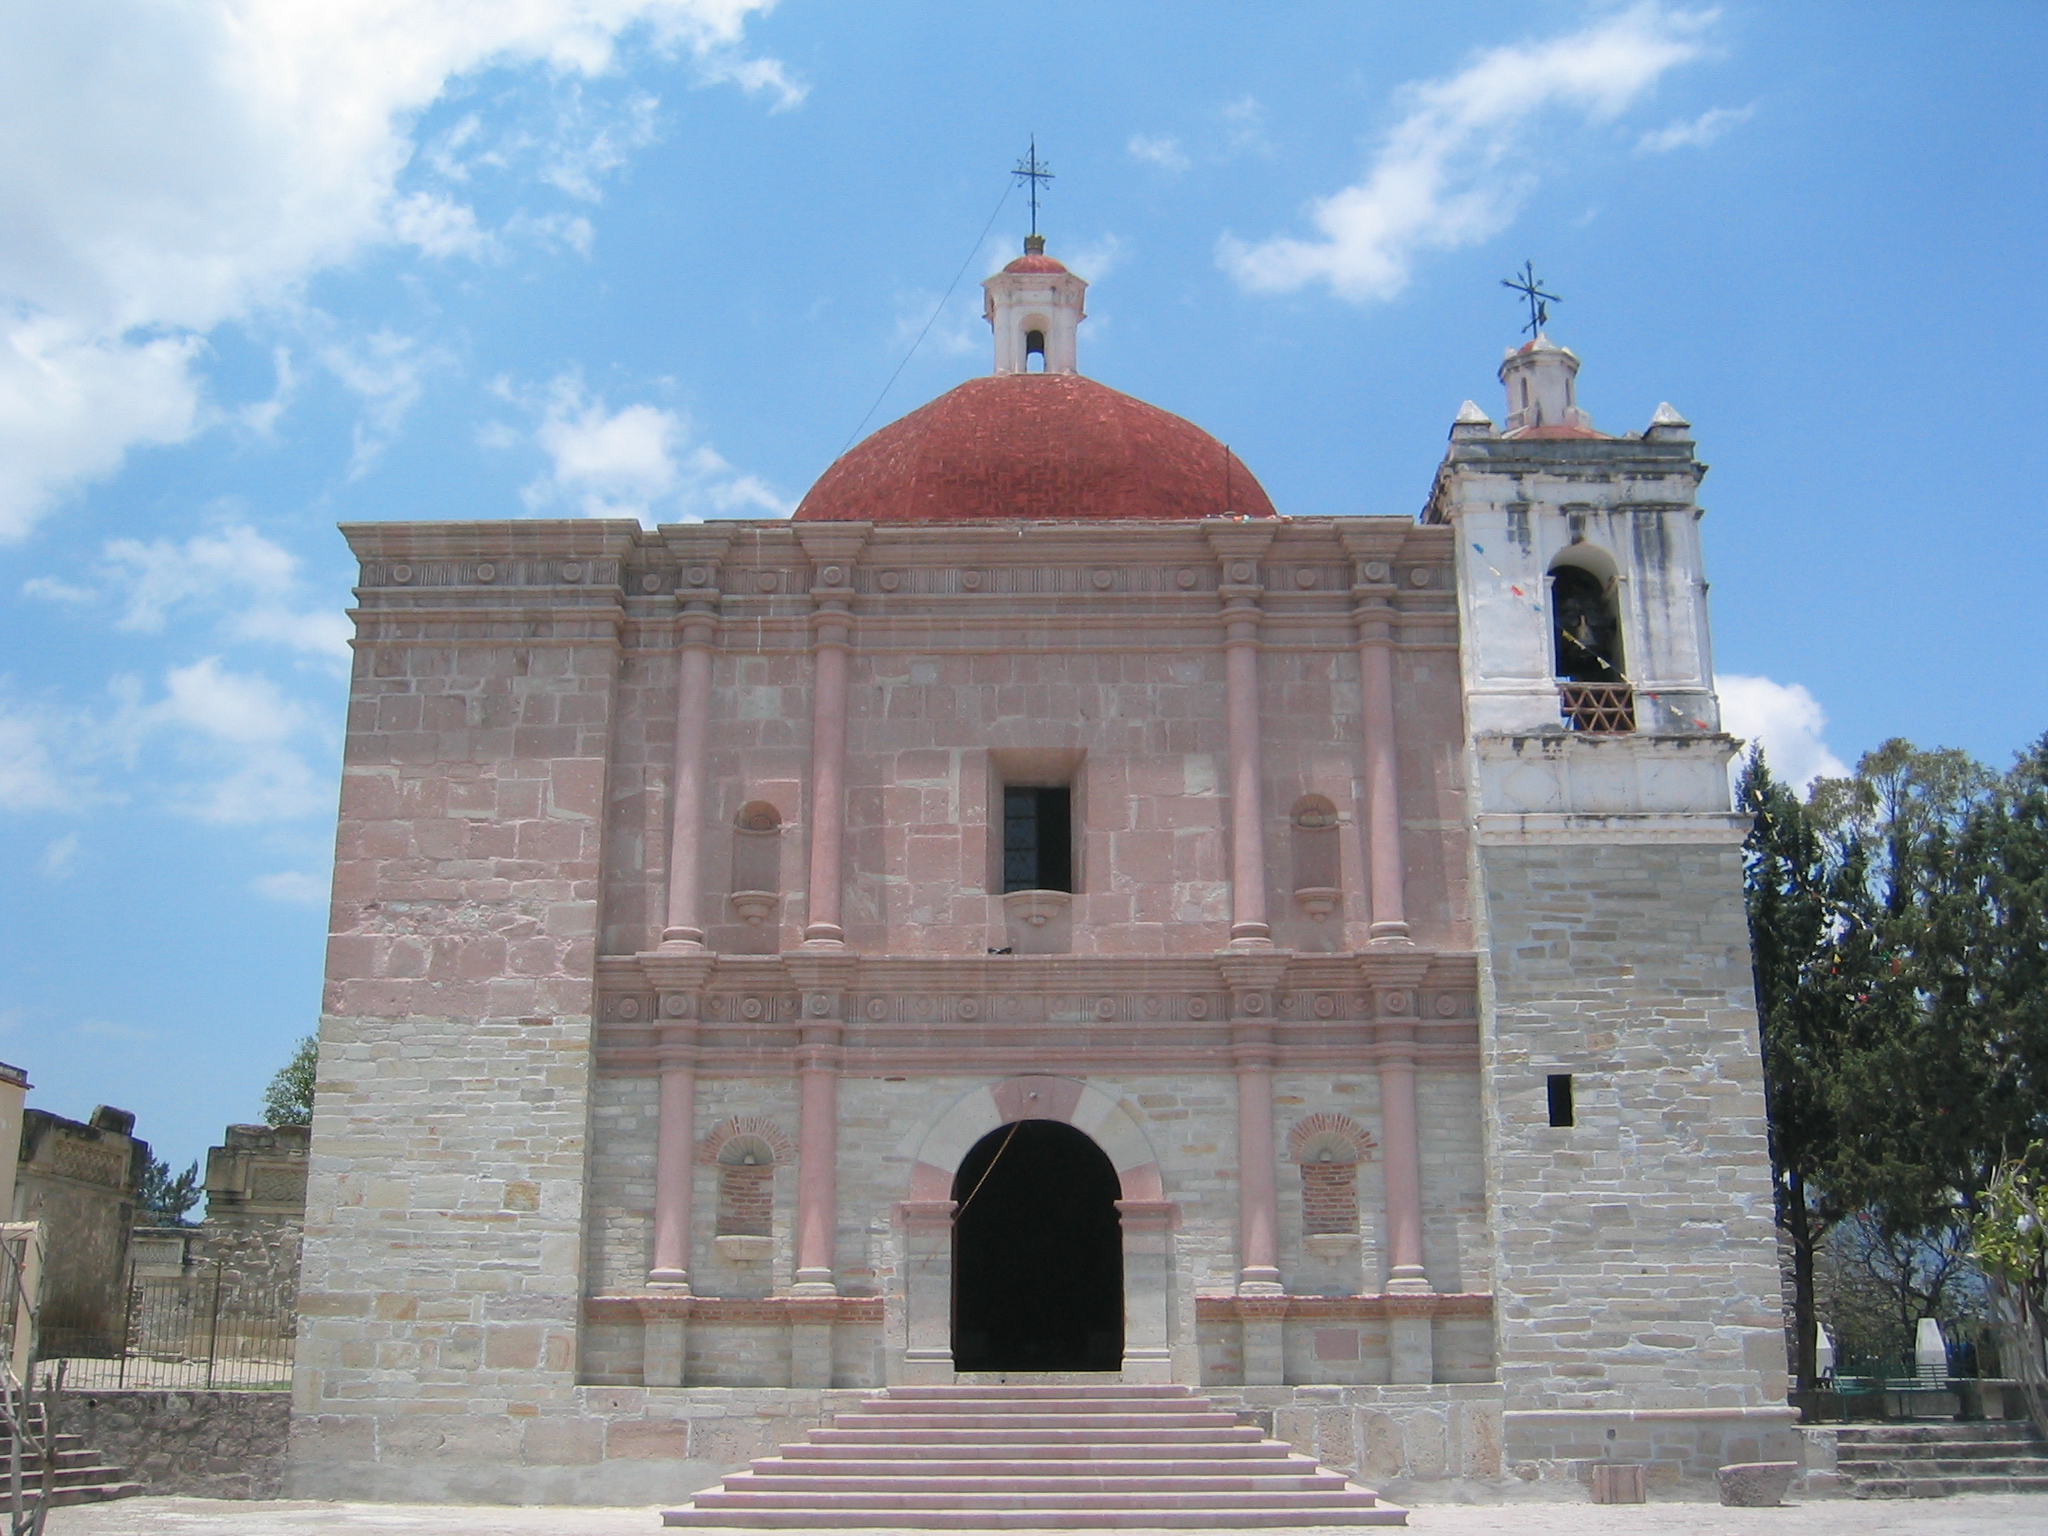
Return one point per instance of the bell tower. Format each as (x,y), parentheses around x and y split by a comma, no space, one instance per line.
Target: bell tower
(1035,306)
(1623,1089)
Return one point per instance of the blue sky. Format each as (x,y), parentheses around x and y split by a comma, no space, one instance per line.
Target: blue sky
(265,267)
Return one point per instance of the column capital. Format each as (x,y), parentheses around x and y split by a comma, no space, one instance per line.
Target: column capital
(1253,971)
(679,973)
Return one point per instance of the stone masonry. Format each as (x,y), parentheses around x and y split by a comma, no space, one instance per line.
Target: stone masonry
(680,968)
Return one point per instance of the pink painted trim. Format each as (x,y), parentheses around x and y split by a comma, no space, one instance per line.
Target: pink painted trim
(817,1174)
(828,791)
(673,1140)
(686,831)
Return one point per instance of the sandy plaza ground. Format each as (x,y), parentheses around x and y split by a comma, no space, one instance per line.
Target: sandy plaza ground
(1989,1515)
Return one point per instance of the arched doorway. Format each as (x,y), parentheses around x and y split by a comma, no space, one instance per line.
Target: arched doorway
(1038,1274)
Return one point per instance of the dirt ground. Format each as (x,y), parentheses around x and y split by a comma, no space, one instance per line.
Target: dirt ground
(1991,1515)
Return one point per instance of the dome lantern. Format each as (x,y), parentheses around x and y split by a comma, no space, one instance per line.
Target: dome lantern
(1035,307)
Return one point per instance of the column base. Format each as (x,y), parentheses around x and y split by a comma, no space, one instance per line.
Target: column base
(1260,1280)
(1251,936)
(688,940)
(673,1281)
(1389,936)
(928,1367)
(814,1282)
(1154,1367)
(824,936)
(1409,1280)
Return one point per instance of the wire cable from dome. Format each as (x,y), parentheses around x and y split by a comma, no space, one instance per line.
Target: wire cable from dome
(937,310)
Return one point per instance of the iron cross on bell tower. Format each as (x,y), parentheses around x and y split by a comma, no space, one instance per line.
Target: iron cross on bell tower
(1530,287)
(1031,171)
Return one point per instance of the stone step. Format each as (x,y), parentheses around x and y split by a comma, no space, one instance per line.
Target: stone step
(1023,1520)
(1950,1434)
(1943,1487)
(89,1493)
(1880,1450)
(1007,1394)
(1147,1407)
(1951,1466)
(747,1497)
(1036,1458)
(1310,1481)
(1043,1450)
(1090,1422)
(1009,1466)
(904,1435)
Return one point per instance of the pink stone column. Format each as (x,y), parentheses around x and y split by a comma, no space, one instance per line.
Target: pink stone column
(1248,925)
(1252,980)
(1402,1152)
(817,1158)
(1382,780)
(828,778)
(685,926)
(675,1145)
(1257,1173)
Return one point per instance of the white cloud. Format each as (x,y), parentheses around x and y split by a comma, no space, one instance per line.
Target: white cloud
(1456,169)
(59,856)
(1161,150)
(636,461)
(293,886)
(239,707)
(34,772)
(386,371)
(1701,130)
(1786,720)
(251,583)
(169,168)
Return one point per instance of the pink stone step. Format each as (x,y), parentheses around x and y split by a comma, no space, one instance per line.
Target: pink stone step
(1033,1420)
(1106,1389)
(871,1502)
(1066,1436)
(1034,1520)
(937,1483)
(1042,1450)
(1036,1457)
(1008,1466)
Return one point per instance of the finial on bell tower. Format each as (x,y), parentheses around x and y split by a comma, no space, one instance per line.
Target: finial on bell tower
(1035,305)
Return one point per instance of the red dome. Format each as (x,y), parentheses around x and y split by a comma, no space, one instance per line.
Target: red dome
(1032,261)
(1034,447)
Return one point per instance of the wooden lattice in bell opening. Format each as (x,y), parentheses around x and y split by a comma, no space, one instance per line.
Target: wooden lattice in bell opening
(1597,709)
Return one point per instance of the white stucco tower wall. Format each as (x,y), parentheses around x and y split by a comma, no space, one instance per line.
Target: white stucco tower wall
(1637,1308)
(1035,306)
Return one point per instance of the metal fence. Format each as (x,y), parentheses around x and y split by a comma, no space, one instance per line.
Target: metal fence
(210,1327)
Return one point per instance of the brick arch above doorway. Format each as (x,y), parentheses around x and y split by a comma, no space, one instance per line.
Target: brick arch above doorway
(938,1148)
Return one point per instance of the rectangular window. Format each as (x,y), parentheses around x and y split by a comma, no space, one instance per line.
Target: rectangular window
(1038,839)
(1561,1099)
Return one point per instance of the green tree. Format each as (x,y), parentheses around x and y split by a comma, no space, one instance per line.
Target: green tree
(2011,1232)
(1810,949)
(289,1098)
(165,1199)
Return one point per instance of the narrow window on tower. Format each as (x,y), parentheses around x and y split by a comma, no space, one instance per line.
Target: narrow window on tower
(1561,1099)
(1034,346)
(1038,838)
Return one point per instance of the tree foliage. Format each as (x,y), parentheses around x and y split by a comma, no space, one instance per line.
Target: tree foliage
(1899,926)
(289,1098)
(165,1198)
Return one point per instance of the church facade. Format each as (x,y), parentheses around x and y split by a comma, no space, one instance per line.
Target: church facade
(1039,913)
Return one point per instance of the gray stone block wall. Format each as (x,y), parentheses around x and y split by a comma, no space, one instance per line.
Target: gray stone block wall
(1636,1258)
(207,1445)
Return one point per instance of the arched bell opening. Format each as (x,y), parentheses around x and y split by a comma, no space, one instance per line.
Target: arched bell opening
(1586,632)
(1038,1279)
